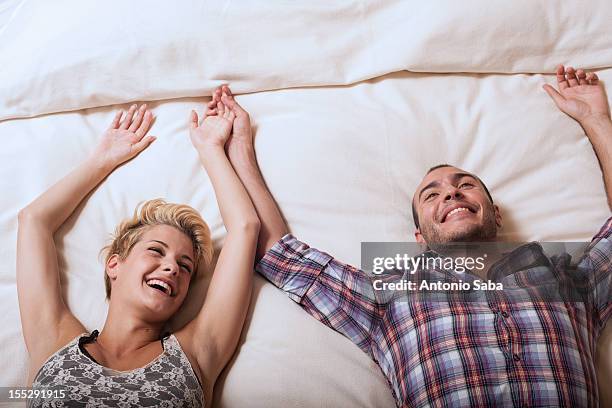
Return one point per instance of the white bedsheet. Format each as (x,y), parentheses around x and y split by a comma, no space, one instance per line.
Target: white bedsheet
(342,161)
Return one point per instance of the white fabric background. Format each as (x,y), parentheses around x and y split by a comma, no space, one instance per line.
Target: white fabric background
(80,54)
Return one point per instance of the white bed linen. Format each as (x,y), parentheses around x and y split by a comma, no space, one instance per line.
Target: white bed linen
(370,143)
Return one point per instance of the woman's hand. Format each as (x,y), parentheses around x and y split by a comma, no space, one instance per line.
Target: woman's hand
(214,130)
(125,139)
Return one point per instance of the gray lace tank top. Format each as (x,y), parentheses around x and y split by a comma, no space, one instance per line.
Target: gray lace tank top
(167,381)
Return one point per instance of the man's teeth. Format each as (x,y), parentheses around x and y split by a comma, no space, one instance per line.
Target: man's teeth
(167,288)
(456,210)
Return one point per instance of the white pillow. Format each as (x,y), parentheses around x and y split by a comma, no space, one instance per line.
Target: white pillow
(64,55)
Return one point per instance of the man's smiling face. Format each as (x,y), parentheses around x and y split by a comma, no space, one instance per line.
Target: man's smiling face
(452,205)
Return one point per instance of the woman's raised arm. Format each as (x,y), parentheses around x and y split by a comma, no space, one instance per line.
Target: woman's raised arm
(216,329)
(46,321)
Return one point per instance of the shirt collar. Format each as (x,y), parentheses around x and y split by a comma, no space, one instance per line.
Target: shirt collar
(526,256)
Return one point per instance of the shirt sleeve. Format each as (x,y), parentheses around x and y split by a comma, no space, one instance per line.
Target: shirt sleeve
(597,266)
(338,295)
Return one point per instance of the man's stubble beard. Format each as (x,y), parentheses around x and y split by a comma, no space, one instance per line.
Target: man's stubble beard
(487,231)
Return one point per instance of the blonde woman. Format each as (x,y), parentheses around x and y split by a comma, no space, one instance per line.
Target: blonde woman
(148,270)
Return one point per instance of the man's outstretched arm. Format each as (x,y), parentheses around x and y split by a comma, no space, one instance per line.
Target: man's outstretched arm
(273,226)
(582,96)
(338,295)
(599,132)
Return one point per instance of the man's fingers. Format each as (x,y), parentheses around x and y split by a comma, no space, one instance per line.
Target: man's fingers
(127,120)
(589,77)
(581,75)
(227,90)
(116,120)
(229,100)
(145,125)
(560,69)
(555,95)
(138,119)
(229,115)
(571,76)
(561,80)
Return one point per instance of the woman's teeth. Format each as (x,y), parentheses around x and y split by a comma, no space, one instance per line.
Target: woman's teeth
(156,282)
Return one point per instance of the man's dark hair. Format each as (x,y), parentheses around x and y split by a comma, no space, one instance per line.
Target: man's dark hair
(415,216)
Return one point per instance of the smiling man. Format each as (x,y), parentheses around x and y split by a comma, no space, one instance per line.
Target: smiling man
(455,206)
(453,353)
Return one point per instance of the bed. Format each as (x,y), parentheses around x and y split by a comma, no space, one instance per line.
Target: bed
(352,101)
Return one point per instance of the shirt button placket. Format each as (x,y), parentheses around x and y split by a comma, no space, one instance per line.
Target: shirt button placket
(502,329)
(515,346)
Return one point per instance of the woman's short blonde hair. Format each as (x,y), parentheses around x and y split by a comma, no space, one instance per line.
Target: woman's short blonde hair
(158,212)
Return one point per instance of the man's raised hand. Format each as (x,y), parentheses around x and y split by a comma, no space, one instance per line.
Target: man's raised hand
(581,95)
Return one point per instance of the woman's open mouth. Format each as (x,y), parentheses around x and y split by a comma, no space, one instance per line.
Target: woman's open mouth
(160,286)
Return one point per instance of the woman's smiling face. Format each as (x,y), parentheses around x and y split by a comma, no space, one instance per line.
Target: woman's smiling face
(155,276)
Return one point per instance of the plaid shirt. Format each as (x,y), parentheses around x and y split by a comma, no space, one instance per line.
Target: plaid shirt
(448,354)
